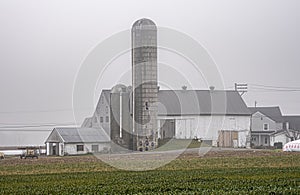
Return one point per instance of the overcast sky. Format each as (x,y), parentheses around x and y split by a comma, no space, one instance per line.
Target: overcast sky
(43,44)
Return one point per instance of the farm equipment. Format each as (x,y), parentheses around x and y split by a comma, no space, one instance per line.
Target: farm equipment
(1,155)
(29,152)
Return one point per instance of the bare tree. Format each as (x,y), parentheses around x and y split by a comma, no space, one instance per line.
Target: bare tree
(292,134)
(292,127)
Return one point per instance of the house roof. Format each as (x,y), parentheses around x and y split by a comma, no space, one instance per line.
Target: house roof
(262,132)
(273,113)
(78,135)
(294,122)
(87,121)
(278,132)
(201,102)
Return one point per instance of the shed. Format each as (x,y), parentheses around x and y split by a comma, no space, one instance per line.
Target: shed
(72,141)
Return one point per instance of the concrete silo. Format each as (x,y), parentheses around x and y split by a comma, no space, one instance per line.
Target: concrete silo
(144,83)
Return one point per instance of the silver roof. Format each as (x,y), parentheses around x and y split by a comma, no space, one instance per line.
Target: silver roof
(78,135)
(198,102)
(201,102)
(294,122)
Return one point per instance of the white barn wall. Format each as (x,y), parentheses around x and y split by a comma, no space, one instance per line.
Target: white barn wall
(208,127)
(102,110)
(71,149)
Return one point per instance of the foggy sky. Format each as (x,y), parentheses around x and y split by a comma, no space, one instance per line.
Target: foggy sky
(43,44)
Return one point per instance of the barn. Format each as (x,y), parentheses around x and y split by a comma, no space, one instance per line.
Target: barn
(217,117)
(73,141)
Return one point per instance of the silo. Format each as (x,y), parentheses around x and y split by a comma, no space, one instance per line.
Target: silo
(121,121)
(144,83)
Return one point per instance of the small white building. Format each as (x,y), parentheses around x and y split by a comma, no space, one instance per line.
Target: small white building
(73,141)
(279,137)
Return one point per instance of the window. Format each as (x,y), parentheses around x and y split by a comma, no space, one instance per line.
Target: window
(266,126)
(253,139)
(107,119)
(101,119)
(80,148)
(147,105)
(95,148)
(106,109)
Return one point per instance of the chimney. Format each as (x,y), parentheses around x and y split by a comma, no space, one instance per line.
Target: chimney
(287,125)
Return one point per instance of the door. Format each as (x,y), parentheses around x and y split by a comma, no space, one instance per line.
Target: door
(168,128)
(228,139)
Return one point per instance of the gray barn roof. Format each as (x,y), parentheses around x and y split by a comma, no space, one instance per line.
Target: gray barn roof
(78,135)
(294,122)
(273,113)
(196,102)
(201,102)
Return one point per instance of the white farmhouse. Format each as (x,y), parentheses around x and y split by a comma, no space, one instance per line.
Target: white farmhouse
(267,126)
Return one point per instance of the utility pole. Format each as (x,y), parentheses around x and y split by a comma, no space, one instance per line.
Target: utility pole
(241,88)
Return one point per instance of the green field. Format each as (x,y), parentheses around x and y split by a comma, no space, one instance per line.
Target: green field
(217,173)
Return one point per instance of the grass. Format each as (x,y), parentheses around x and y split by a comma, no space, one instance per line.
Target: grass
(177,144)
(186,175)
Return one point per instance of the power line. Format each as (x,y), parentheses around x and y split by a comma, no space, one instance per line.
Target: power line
(276,87)
(41,111)
(26,130)
(37,125)
(257,89)
(242,88)
(25,124)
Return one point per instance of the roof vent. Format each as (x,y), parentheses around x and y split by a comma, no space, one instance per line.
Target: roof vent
(184,87)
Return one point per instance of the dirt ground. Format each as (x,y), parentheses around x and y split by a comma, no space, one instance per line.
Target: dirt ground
(190,153)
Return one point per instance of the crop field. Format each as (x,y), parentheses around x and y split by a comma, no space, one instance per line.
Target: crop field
(218,172)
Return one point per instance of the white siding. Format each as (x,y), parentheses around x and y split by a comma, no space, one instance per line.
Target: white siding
(281,137)
(71,149)
(208,127)
(258,121)
(102,111)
